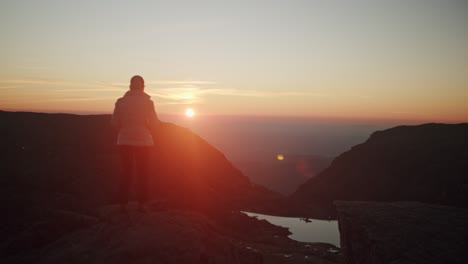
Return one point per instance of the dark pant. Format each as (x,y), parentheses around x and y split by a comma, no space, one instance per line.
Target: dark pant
(138,157)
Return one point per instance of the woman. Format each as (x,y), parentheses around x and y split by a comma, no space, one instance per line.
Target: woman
(135,118)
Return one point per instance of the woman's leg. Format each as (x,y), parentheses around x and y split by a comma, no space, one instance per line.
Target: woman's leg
(142,155)
(127,157)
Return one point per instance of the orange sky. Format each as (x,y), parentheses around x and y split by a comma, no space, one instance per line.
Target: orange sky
(332,59)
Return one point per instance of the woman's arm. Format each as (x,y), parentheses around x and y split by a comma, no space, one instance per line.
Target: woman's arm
(115,119)
(153,120)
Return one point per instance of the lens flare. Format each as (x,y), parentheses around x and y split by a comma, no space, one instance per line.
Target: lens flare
(280,157)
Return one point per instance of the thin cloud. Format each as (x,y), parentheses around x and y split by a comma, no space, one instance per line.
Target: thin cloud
(34,68)
(48,81)
(38,81)
(182,90)
(9,87)
(234,92)
(114,84)
(90,90)
(162,82)
(190,95)
(176,91)
(194,94)
(403,113)
(55,100)
(186,102)
(180,82)
(358,96)
(80,99)
(54,82)
(259,93)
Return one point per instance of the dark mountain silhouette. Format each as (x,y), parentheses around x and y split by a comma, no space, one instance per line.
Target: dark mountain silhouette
(70,162)
(425,163)
(73,160)
(59,176)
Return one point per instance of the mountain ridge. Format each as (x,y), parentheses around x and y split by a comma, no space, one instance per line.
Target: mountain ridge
(424,163)
(59,176)
(71,162)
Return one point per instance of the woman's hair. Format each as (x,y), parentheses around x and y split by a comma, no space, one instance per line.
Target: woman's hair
(137,83)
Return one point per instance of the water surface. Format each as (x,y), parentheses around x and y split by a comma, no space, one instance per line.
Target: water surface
(312,230)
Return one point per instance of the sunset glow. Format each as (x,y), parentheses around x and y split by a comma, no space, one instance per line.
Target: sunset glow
(322,59)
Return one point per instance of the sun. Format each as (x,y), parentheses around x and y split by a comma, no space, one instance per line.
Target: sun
(189,112)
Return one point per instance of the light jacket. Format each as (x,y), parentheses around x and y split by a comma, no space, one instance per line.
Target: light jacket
(135,118)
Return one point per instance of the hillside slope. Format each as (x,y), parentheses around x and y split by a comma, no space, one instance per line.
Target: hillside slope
(70,162)
(425,163)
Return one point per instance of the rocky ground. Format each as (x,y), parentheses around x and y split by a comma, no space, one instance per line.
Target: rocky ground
(402,232)
(159,234)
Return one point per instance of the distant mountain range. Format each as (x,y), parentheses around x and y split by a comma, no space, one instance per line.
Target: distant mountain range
(252,144)
(427,163)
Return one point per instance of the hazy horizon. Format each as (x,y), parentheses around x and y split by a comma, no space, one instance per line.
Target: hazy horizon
(269,136)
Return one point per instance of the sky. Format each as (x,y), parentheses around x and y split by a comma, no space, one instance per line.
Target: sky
(349,59)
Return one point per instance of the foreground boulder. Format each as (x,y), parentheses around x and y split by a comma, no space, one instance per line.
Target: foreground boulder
(403,232)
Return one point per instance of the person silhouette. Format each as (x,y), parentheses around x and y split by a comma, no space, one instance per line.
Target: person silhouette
(135,119)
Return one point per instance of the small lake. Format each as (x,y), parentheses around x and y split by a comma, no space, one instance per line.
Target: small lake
(311,231)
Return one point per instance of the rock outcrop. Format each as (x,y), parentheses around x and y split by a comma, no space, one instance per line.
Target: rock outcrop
(426,163)
(403,232)
(156,236)
(159,234)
